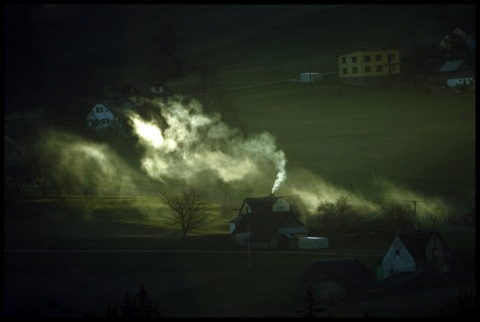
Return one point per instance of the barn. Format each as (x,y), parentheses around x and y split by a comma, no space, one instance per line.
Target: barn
(337,280)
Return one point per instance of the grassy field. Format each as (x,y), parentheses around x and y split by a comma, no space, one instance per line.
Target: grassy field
(130,243)
(423,144)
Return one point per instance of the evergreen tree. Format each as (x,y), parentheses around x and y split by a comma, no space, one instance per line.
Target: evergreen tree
(129,308)
(165,60)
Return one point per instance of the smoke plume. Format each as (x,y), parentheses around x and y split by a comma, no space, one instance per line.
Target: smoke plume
(186,143)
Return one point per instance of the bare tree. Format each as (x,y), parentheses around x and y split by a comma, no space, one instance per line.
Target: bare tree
(188,208)
(401,219)
(336,217)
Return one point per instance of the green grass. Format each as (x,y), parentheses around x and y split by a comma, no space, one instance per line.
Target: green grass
(425,143)
(218,284)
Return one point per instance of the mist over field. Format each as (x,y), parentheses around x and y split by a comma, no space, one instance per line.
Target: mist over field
(374,146)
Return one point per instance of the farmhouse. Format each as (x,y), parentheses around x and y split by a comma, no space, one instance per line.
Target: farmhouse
(109,113)
(270,222)
(369,67)
(139,92)
(452,73)
(337,280)
(418,253)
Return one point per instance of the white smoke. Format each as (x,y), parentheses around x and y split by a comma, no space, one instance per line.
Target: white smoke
(186,143)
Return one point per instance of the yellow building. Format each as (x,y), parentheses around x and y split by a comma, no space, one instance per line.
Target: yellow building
(369,67)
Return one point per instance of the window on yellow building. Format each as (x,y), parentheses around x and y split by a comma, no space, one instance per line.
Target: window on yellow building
(367,58)
(354,59)
(378,57)
(379,69)
(344,60)
(345,70)
(368,69)
(354,70)
(391,57)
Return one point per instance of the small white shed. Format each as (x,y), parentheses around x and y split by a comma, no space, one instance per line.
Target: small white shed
(311,77)
(312,242)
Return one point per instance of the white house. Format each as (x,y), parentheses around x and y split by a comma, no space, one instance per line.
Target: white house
(140,92)
(108,114)
(417,252)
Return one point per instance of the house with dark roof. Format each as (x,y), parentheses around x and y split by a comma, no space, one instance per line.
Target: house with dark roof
(337,280)
(452,73)
(270,222)
(109,113)
(139,92)
(417,253)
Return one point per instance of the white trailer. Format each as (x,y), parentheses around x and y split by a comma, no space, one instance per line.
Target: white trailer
(312,242)
(311,77)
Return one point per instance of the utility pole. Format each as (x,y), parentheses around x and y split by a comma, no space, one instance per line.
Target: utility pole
(248,245)
(415,213)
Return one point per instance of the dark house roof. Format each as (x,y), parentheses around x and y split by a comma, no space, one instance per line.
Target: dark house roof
(417,241)
(264,226)
(348,272)
(263,205)
(451,66)
(141,89)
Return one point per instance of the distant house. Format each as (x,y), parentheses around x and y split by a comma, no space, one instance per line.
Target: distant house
(338,280)
(369,67)
(109,113)
(139,92)
(424,253)
(452,73)
(270,222)
(459,44)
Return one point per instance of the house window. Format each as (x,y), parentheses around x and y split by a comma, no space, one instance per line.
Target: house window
(99,109)
(397,252)
(391,57)
(368,69)
(344,60)
(354,59)
(378,57)
(434,252)
(379,69)
(280,208)
(354,70)
(367,59)
(345,70)
(106,121)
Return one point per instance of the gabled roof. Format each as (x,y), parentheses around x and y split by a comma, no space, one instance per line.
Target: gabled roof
(451,66)
(263,205)
(115,106)
(140,88)
(348,272)
(265,226)
(417,241)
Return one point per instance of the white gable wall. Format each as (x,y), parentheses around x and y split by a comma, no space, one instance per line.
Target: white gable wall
(246,209)
(101,116)
(281,205)
(397,259)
